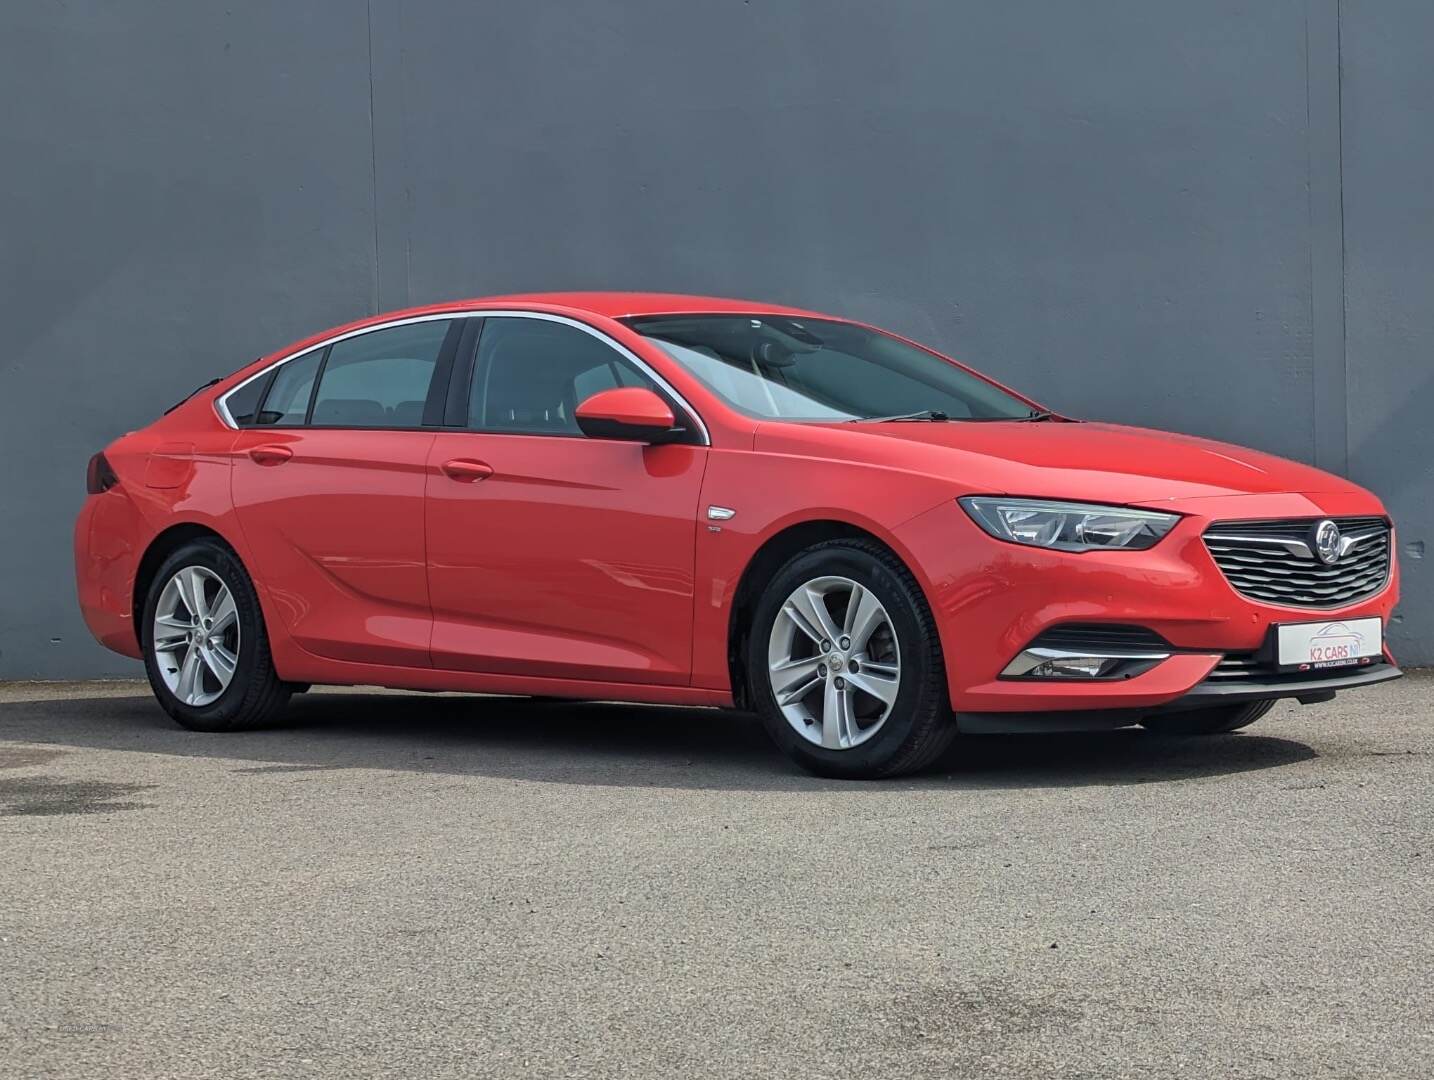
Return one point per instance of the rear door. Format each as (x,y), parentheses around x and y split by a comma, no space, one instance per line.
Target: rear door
(328,485)
(551,554)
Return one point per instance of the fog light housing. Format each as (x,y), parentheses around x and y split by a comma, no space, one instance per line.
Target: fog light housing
(1074,667)
(1047,663)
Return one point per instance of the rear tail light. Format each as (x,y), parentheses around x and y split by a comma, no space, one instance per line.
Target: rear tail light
(99,476)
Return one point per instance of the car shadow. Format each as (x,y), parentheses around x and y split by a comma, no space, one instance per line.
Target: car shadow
(608,744)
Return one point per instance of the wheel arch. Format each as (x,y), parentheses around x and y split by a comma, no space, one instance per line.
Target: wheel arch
(161,546)
(769,557)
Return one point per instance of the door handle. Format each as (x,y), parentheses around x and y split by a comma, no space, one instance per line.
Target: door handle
(270,455)
(466,470)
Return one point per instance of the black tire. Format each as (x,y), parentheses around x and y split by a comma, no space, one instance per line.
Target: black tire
(919,726)
(1214,721)
(255,696)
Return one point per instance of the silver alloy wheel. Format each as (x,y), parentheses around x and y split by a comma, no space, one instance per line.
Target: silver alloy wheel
(834,662)
(196,636)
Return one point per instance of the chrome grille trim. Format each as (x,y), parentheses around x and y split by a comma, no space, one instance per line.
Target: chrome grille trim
(1271,561)
(1237,666)
(1242,667)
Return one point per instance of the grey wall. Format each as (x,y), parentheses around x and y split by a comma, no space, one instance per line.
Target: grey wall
(1216,218)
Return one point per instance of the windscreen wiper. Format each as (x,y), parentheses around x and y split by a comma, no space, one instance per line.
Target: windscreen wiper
(924,414)
(936,414)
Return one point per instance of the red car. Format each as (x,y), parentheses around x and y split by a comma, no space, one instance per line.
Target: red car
(678,499)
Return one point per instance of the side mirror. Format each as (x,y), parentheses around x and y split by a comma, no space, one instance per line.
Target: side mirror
(633,413)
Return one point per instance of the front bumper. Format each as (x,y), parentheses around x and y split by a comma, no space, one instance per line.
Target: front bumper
(1211,693)
(991,599)
(1305,688)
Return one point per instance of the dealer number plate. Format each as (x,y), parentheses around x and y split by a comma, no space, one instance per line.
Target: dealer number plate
(1338,643)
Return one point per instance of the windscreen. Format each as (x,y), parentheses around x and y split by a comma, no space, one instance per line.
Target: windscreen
(778,367)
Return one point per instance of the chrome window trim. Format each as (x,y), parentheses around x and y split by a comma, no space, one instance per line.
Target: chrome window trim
(221,403)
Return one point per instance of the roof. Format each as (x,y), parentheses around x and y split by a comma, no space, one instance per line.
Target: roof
(616,305)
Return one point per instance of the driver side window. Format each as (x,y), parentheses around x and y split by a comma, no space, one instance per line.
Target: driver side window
(531,374)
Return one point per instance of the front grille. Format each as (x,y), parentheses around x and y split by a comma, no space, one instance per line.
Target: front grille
(1237,667)
(1274,561)
(1240,666)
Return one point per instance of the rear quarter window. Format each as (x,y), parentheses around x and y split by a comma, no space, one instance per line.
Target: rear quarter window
(243,404)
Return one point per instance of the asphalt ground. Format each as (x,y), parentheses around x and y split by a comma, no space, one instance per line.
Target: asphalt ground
(442,886)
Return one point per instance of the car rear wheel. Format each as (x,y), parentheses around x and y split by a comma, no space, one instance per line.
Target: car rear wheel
(205,648)
(845,665)
(1208,721)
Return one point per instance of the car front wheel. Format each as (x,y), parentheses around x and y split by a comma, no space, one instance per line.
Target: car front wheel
(205,648)
(846,667)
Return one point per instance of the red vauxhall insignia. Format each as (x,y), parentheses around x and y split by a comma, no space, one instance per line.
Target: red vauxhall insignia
(713,502)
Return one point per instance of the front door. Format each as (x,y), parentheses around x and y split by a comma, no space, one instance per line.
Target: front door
(551,554)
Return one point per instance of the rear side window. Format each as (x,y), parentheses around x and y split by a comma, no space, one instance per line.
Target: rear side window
(380,379)
(287,402)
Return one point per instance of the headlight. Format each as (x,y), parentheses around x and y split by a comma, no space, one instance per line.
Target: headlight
(1068,526)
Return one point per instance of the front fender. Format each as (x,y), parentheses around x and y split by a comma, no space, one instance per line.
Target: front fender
(771,494)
